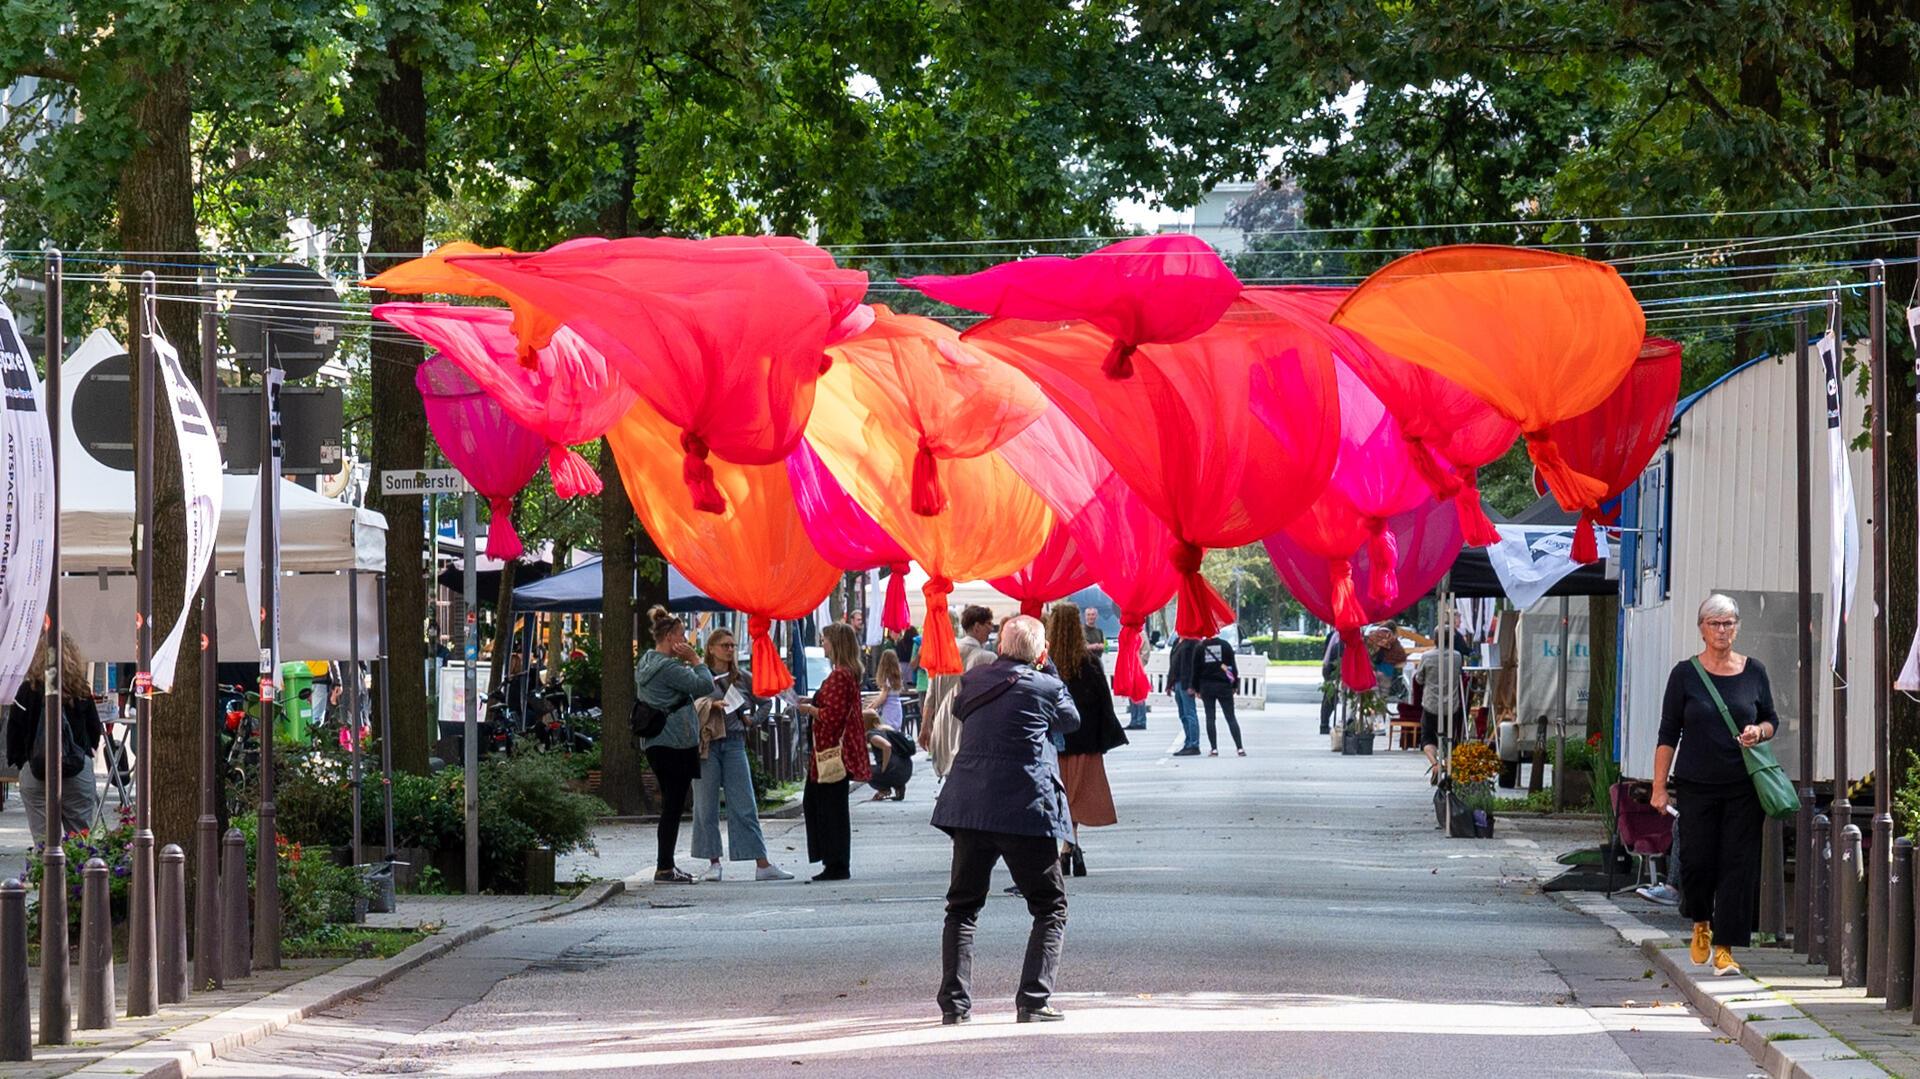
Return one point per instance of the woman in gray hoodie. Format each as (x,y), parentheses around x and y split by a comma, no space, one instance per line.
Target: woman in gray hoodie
(671,677)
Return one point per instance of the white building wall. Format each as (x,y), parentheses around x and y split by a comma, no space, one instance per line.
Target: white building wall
(1734,478)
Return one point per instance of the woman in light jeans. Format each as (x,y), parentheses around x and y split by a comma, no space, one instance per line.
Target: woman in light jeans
(726,767)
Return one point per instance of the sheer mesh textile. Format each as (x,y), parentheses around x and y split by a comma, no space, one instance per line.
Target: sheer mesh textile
(568,396)
(1058,571)
(493,451)
(1614,442)
(847,535)
(437,273)
(753,556)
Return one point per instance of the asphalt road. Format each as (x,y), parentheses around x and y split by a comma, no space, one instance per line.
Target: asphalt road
(1293,913)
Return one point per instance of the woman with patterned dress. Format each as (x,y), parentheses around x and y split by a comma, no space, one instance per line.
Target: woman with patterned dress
(836,722)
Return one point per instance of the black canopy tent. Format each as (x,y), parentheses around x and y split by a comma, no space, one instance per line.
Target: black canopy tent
(1473,576)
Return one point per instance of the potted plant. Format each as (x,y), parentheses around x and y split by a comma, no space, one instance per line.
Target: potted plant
(1470,770)
(1357,734)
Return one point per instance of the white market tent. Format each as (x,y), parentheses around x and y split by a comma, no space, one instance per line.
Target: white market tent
(321,539)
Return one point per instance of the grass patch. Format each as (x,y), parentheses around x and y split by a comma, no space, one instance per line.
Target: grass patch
(1540,802)
(1293,663)
(350,942)
(1788,1036)
(775,797)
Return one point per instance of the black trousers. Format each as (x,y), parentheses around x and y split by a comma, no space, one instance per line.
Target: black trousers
(676,769)
(1034,861)
(829,824)
(1328,702)
(1720,835)
(1216,695)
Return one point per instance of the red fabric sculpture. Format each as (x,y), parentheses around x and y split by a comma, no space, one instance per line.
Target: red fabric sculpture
(568,396)
(1427,540)
(496,454)
(847,535)
(754,556)
(1541,337)
(1058,571)
(1614,442)
(1146,290)
(724,337)
(1227,436)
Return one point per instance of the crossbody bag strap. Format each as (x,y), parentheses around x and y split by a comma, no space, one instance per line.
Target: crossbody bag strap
(1714,692)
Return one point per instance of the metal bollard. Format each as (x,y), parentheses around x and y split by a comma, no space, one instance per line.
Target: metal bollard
(16,1019)
(96,948)
(56,987)
(171,962)
(236,961)
(1853,909)
(1817,876)
(207,954)
(1900,926)
(1773,880)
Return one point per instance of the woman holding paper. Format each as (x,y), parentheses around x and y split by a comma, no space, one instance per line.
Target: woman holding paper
(730,708)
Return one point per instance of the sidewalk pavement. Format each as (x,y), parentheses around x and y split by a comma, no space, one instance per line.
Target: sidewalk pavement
(1794,1019)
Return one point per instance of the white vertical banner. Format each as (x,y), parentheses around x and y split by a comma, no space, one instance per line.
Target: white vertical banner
(26,538)
(1909,679)
(1843,527)
(876,604)
(255,570)
(200,482)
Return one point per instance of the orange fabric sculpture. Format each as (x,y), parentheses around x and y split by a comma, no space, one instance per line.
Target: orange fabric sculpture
(433,273)
(960,403)
(1542,337)
(1614,442)
(995,524)
(1145,290)
(1226,436)
(724,337)
(754,556)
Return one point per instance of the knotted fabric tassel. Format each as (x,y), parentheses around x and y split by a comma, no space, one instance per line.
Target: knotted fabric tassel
(1586,550)
(1356,667)
(1118,362)
(1129,674)
(1201,611)
(1347,612)
(1435,475)
(1383,551)
(1475,526)
(928,498)
(895,615)
(1032,608)
(770,674)
(939,649)
(503,542)
(699,475)
(1574,490)
(572,475)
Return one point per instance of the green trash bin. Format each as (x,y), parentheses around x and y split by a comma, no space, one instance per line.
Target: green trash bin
(296,711)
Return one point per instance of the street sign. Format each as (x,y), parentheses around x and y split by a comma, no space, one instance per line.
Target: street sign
(425,481)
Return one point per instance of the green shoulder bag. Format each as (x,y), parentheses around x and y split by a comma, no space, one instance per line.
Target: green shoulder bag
(1777,796)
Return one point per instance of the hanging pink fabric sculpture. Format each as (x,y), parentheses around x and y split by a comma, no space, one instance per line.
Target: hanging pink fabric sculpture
(1427,539)
(847,535)
(1058,571)
(1226,436)
(1449,433)
(1124,542)
(1372,482)
(1614,442)
(496,454)
(956,401)
(568,396)
(1142,291)
(724,337)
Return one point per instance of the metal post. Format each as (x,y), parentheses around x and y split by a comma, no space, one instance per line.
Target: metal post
(1817,880)
(96,948)
(351,698)
(1880,849)
(470,645)
(1560,743)
(16,1019)
(172,965)
(206,828)
(235,961)
(1804,842)
(1841,810)
(266,899)
(1853,909)
(1900,926)
(386,716)
(143,990)
(1773,880)
(56,1005)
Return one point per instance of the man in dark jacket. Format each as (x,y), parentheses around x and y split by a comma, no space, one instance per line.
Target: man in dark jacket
(1003,800)
(1180,674)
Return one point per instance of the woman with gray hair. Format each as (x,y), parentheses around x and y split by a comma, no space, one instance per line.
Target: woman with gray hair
(1716,703)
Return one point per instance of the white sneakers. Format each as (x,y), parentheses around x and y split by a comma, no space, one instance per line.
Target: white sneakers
(714,872)
(771,872)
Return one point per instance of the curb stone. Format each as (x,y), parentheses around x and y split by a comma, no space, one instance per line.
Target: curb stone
(183,1051)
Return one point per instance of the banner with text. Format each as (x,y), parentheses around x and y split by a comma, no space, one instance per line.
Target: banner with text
(26,544)
(202,484)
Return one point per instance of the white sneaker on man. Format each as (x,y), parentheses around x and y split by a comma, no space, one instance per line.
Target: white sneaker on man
(771,872)
(713,872)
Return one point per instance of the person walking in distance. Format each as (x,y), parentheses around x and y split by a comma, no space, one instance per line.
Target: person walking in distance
(671,677)
(1215,679)
(976,625)
(1003,799)
(1180,673)
(1137,710)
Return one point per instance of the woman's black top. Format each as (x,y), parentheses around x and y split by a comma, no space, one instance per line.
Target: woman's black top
(1100,728)
(1710,753)
(24,719)
(1213,665)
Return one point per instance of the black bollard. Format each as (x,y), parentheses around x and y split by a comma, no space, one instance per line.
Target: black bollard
(208,973)
(1900,926)
(1853,909)
(171,960)
(96,948)
(56,988)
(1817,901)
(16,1019)
(237,962)
(1773,880)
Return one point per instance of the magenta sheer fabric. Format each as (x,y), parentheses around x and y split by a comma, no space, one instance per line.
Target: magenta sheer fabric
(1145,290)
(569,395)
(1426,539)
(1058,571)
(845,534)
(1614,442)
(493,451)
(724,337)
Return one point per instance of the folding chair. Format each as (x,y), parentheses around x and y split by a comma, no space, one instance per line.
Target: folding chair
(119,755)
(1644,831)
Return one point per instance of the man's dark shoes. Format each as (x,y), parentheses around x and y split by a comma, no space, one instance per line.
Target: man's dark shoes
(1190,751)
(832,874)
(1043,1014)
(954,1019)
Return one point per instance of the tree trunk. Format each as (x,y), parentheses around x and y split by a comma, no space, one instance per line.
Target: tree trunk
(619,754)
(399,224)
(156,221)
